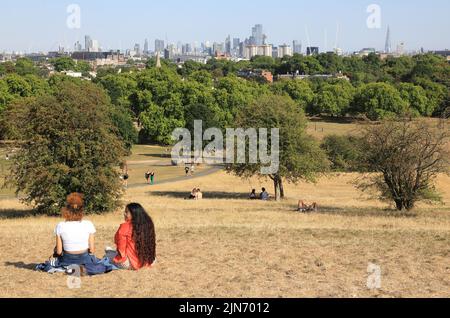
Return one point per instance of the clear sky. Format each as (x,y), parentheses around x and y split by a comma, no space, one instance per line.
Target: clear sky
(40,25)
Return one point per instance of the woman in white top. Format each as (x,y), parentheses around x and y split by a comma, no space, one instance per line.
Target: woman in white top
(74,237)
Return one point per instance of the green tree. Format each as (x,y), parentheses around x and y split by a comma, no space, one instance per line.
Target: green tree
(7,68)
(5,96)
(120,88)
(417,99)
(333,99)
(331,63)
(299,91)
(344,152)
(301,158)
(435,92)
(70,145)
(18,86)
(406,158)
(25,66)
(159,102)
(378,101)
(63,64)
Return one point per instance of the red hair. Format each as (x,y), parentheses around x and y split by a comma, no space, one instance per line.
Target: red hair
(73,211)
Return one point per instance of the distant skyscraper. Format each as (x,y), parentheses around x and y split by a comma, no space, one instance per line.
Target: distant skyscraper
(95,47)
(388,45)
(257,37)
(236,42)
(87,43)
(218,48)
(401,49)
(297,47)
(159,46)
(137,49)
(78,47)
(284,50)
(312,50)
(228,45)
(146,49)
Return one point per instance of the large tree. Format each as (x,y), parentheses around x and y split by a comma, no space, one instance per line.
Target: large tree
(378,101)
(300,156)
(406,157)
(69,144)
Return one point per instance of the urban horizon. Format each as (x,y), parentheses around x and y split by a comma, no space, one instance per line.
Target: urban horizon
(350,26)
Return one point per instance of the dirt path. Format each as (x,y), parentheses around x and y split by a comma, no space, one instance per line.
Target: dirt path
(197,175)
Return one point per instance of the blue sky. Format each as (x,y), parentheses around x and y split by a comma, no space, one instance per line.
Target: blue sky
(32,25)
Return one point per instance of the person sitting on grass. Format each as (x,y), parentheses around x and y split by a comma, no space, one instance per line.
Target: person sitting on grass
(253,195)
(75,242)
(264,195)
(193,195)
(135,240)
(303,207)
(198,194)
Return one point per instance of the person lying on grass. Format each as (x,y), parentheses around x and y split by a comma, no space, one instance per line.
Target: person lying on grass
(303,207)
(75,240)
(135,240)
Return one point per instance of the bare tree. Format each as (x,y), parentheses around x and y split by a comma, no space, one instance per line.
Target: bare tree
(406,156)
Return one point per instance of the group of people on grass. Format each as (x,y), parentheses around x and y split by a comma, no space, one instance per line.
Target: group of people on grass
(264,195)
(196,194)
(189,170)
(150,177)
(302,206)
(135,239)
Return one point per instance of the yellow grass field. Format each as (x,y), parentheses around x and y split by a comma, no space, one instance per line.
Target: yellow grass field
(228,246)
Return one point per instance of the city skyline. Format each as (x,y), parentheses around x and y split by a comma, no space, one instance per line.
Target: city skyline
(34,26)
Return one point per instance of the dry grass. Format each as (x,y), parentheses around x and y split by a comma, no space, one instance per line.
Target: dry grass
(227,246)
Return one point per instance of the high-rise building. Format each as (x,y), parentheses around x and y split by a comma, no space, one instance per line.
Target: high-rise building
(87,43)
(137,49)
(401,49)
(95,46)
(284,50)
(297,47)
(388,44)
(257,37)
(312,50)
(146,48)
(236,43)
(228,45)
(159,46)
(218,48)
(257,50)
(78,47)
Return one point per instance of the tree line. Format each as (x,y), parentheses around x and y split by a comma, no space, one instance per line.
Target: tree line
(60,118)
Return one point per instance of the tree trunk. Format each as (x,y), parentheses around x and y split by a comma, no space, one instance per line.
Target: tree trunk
(276,186)
(399,204)
(281,188)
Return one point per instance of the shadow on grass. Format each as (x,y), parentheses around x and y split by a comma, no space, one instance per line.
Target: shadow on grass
(21,265)
(206,195)
(365,212)
(158,156)
(16,214)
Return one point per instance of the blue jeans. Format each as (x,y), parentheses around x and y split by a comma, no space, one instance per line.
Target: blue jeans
(69,259)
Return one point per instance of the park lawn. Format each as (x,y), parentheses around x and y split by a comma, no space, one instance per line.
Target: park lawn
(228,246)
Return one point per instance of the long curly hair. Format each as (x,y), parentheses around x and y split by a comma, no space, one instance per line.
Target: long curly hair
(144,234)
(73,211)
